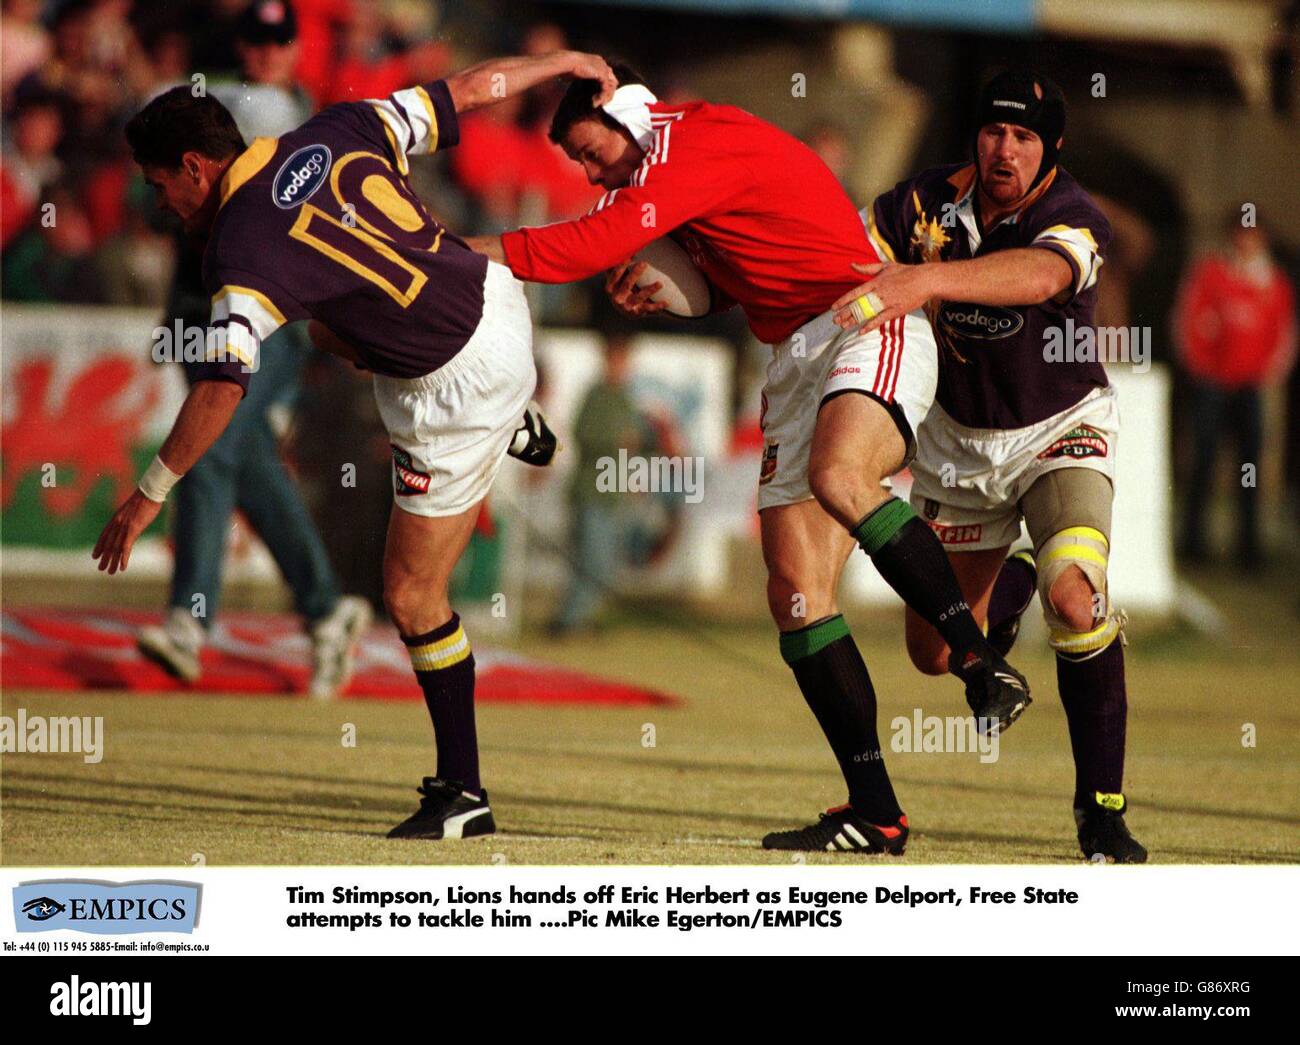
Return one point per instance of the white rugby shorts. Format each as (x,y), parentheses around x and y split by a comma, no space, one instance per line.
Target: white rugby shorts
(967,482)
(450,429)
(897,364)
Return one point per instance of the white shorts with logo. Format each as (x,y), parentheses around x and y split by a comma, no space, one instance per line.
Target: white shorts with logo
(897,365)
(450,429)
(967,482)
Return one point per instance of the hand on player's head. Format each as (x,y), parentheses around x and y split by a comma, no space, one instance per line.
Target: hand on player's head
(594,67)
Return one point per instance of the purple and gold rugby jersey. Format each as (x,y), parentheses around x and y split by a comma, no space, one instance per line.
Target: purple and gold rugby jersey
(322,223)
(992,370)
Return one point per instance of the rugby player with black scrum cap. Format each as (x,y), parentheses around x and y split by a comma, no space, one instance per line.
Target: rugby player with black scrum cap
(1004,254)
(321,223)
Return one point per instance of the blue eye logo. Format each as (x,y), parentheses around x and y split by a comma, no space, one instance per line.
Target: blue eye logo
(42,909)
(301,175)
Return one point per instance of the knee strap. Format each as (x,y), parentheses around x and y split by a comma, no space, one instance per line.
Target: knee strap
(1082,645)
(1088,549)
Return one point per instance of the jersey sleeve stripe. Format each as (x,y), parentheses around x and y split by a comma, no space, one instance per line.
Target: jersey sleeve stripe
(412,119)
(398,132)
(427,102)
(238,342)
(604,201)
(256,306)
(1082,247)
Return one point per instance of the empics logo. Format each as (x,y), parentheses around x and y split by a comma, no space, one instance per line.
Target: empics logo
(106,908)
(75,998)
(42,909)
(300,176)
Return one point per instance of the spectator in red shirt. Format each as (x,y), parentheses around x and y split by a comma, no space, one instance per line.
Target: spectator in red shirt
(1236,334)
(370,66)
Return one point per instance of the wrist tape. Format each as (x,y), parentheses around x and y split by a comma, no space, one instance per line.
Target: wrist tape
(157,480)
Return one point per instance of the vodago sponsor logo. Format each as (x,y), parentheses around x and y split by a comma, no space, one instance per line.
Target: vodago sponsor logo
(301,175)
(981,322)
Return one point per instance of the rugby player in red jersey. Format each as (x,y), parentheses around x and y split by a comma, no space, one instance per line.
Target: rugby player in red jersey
(1021,433)
(772,230)
(322,223)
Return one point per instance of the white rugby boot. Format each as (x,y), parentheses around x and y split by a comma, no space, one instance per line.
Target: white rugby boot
(333,646)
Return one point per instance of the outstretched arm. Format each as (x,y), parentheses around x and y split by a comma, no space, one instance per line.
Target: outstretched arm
(489,245)
(499,78)
(1024,276)
(203,417)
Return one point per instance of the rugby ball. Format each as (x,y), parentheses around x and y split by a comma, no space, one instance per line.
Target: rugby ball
(684,289)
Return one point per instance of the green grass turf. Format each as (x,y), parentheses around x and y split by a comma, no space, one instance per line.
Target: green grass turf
(248,780)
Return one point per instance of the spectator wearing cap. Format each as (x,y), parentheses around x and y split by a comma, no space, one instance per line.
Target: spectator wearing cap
(268,101)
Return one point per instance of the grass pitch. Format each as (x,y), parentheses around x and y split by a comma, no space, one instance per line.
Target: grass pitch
(248,780)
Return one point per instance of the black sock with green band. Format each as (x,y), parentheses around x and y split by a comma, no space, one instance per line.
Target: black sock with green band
(913,563)
(834,681)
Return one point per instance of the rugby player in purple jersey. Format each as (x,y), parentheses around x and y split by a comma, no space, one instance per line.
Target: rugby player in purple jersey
(1004,253)
(322,224)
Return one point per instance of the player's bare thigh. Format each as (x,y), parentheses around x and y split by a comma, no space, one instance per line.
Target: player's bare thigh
(976,571)
(419,555)
(804,549)
(855,445)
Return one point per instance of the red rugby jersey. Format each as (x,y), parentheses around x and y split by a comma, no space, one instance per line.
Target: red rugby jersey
(759,213)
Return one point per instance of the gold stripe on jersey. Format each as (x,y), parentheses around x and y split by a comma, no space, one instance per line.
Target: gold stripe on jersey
(388,120)
(1082,246)
(427,102)
(255,309)
(301,231)
(231,340)
(231,294)
(877,240)
(247,164)
(962,179)
(381,192)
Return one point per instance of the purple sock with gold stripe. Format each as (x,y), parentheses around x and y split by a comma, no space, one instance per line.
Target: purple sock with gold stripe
(444,667)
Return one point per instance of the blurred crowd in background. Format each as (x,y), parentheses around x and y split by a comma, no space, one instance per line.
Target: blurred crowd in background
(75,70)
